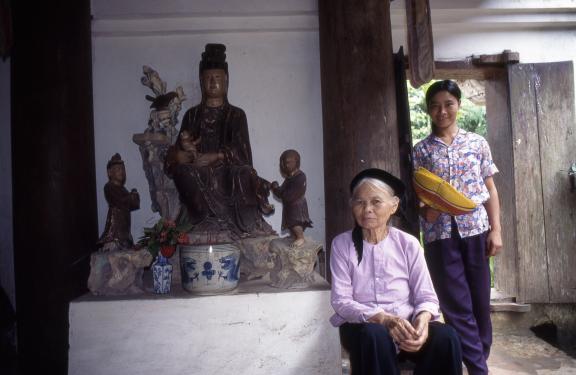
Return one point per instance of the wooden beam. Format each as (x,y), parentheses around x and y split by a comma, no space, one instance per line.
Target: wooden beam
(420,42)
(466,69)
(54,179)
(358,99)
(504,58)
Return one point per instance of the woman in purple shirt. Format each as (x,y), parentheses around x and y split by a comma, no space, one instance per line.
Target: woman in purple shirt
(382,295)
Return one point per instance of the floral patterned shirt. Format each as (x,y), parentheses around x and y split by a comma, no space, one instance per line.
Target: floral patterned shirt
(464,164)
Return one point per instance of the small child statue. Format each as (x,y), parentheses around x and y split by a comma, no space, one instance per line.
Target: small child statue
(294,207)
(121,202)
(187,144)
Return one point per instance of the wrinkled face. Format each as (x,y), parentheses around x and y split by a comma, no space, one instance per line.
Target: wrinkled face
(289,164)
(117,174)
(372,206)
(214,83)
(443,109)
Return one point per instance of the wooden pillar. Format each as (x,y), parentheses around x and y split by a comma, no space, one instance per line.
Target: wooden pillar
(358,99)
(54,185)
(500,140)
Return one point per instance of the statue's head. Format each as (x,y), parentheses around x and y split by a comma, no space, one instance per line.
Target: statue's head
(289,162)
(214,72)
(116,170)
(214,84)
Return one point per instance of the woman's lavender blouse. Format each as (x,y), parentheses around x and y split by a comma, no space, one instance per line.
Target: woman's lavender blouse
(392,278)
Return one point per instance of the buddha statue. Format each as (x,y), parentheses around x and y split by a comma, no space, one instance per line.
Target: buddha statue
(211,162)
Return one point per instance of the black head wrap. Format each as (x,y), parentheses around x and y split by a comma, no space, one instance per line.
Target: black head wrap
(396,184)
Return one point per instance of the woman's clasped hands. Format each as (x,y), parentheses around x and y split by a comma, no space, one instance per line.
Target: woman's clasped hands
(407,336)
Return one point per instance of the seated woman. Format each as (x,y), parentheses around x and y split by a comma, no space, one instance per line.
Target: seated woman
(382,294)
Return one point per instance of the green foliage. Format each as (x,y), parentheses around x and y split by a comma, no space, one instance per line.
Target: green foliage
(163,233)
(491,272)
(418,115)
(471,117)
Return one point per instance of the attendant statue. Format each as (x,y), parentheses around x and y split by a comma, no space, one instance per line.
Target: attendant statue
(121,202)
(211,161)
(294,206)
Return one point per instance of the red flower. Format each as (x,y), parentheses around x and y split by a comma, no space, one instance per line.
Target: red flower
(183,239)
(163,237)
(170,224)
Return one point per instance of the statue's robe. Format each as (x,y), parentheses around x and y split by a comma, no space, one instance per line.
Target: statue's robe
(118,225)
(292,192)
(227,195)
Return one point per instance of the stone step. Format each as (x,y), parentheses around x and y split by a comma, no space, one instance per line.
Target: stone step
(501,302)
(498,296)
(509,307)
(405,368)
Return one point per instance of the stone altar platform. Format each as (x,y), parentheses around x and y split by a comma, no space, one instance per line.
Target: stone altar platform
(256,329)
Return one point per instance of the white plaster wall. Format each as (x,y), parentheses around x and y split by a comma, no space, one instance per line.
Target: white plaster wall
(274,76)
(6,238)
(256,333)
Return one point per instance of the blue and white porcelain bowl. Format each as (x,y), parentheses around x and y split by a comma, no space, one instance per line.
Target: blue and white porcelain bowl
(209,269)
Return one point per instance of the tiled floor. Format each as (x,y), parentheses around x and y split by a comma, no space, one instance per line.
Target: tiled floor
(524,353)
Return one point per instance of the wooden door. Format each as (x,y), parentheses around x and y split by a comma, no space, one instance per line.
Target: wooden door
(543,143)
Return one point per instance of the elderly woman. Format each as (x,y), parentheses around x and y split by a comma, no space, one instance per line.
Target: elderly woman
(382,295)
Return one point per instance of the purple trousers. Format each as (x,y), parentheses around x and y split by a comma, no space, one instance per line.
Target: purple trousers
(461,276)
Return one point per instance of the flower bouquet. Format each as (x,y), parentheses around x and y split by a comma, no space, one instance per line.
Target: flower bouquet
(162,238)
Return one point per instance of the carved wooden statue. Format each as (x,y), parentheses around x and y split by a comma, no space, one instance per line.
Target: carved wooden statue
(211,164)
(292,193)
(120,203)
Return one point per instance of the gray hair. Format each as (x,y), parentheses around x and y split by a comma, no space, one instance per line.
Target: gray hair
(379,184)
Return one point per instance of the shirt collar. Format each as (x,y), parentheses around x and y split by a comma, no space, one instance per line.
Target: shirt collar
(457,140)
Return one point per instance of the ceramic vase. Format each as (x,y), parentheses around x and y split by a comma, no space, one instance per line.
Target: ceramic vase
(162,274)
(209,269)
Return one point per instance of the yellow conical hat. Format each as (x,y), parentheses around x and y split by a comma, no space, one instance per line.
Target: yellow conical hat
(439,194)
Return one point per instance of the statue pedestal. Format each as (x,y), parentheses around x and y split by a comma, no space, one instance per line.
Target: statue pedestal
(256,259)
(118,272)
(255,330)
(294,266)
